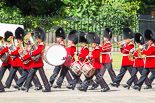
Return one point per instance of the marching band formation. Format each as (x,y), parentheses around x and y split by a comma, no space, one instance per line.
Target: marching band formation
(20,53)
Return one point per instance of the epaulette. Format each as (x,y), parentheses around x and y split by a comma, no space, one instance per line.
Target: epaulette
(131,43)
(108,42)
(85,47)
(41,43)
(97,47)
(152,45)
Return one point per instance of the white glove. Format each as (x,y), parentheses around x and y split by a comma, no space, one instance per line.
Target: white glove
(140,46)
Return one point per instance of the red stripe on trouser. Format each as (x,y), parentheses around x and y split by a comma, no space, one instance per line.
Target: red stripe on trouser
(101,79)
(146,77)
(111,71)
(37,81)
(68,77)
(1,85)
(44,77)
(135,76)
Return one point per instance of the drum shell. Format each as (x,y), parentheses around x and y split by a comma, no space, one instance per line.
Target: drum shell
(88,69)
(76,67)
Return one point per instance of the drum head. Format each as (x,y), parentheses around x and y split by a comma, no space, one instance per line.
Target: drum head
(55,54)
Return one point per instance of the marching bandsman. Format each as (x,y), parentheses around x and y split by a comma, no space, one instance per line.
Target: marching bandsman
(106,54)
(6,60)
(26,66)
(150,58)
(81,57)
(95,61)
(127,64)
(40,36)
(60,36)
(72,41)
(138,62)
(16,62)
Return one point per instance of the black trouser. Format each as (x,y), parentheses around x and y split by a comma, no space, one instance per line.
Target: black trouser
(123,70)
(32,74)
(1,85)
(151,78)
(144,75)
(99,79)
(3,69)
(56,72)
(108,66)
(133,74)
(12,75)
(24,76)
(62,75)
(76,78)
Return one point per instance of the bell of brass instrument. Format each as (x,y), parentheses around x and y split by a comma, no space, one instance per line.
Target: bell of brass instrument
(140,54)
(131,57)
(12,46)
(33,45)
(23,50)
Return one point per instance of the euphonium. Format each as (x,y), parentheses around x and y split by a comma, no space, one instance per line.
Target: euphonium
(139,52)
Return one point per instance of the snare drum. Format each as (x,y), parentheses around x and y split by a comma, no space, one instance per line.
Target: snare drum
(87,69)
(76,67)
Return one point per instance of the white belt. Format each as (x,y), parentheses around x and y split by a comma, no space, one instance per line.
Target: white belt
(138,58)
(151,56)
(106,53)
(125,54)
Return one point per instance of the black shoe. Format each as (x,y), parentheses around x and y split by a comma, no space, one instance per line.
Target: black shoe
(16,87)
(94,87)
(69,86)
(148,87)
(37,88)
(26,89)
(126,86)
(46,90)
(56,86)
(50,84)
(114,84)
(5,86)
(136,87)
(83,89)
(105,89)
(2,90)
(23,88)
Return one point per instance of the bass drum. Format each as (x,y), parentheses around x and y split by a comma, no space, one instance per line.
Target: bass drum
(55,54)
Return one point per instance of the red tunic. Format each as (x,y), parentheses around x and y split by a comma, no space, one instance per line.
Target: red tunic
(106,52)
(41,47)
(16,62)
(70,51)
(138,62)
(150,56)
(2,52)
(28,65)
(95,58)
(125,50)
(83,53)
